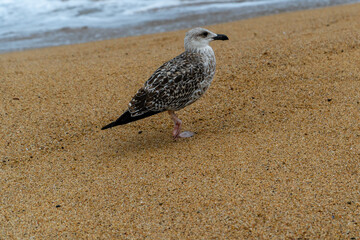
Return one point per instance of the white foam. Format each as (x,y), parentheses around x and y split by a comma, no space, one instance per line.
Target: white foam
(38,20)
(44,15)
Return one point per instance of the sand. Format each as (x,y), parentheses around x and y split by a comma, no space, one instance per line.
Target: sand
(276,154)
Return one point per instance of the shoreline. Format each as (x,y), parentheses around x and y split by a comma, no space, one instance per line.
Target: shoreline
(67,35)
(276,153)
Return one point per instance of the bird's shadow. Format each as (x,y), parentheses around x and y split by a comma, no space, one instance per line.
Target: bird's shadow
(144,142)
(147,139)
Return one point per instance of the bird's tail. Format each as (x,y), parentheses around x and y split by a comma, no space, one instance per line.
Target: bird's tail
(127,118)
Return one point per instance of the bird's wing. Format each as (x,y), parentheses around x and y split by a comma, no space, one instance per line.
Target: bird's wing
(171,86)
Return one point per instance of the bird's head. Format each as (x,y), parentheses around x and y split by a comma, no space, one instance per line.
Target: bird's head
(198,38)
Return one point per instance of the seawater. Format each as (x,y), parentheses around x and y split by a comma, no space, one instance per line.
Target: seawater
(39,23)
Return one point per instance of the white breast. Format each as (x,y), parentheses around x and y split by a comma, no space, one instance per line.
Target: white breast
(209,67)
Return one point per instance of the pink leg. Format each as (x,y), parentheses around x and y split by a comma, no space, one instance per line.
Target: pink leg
(177,127)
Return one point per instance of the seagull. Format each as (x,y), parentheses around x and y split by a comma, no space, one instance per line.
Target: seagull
(177,83)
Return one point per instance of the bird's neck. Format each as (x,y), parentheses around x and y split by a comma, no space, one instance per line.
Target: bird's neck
(207,55)
(205,50)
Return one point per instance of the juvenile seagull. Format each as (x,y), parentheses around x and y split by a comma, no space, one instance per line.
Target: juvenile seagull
(177,83)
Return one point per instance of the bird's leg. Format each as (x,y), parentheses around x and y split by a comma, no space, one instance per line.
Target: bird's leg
(177,127)
(177,124)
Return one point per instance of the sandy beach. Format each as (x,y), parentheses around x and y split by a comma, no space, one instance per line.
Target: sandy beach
(276,154)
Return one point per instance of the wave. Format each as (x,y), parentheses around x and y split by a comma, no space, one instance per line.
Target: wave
(34,23)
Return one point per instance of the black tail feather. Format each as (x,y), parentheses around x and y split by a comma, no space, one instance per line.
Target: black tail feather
(127,118)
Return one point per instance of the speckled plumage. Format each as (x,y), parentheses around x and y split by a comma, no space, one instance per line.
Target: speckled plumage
(177,83)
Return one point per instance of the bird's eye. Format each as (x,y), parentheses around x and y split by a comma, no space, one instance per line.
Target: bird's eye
(204,34)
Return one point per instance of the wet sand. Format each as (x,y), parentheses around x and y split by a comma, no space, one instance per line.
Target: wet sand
(276,154)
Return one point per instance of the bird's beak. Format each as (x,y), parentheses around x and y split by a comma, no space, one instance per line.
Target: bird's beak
(220,37)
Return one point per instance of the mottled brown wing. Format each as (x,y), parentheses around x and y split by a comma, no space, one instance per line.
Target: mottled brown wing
(171,87)
(137,103)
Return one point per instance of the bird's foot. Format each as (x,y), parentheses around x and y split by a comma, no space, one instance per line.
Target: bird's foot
(186,134)
(177,127)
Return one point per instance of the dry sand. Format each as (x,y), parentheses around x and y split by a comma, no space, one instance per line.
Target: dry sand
(276,155)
